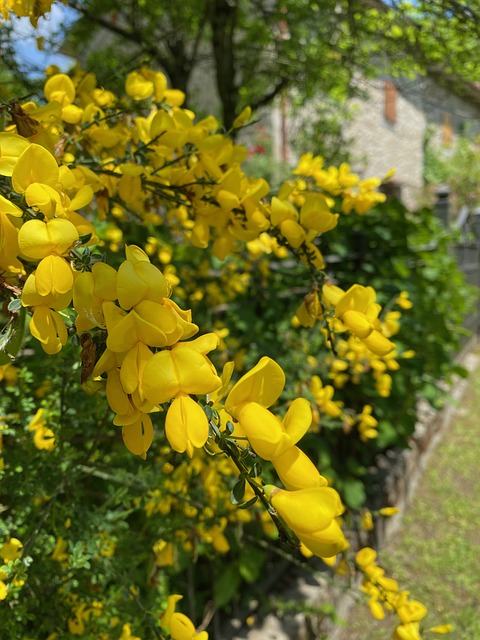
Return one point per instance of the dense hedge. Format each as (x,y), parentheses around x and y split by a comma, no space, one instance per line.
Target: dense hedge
(118,213)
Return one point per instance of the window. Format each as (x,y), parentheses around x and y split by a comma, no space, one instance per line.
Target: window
(390,102)
(447,128)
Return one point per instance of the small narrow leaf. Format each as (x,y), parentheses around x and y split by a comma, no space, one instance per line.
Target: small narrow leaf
(248,504)
(238,491)
(15,304)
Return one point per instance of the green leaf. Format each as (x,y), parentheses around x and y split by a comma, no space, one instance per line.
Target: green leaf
(387,434)
(248,504)
(460,371)
(256,471)
(354,493)
(11,340)
(208,411)
(85,238)
(250,565)
(226,586)
(15,304)
(238,491)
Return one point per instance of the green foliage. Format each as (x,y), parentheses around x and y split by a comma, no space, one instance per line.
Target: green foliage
(392,250)
(311,47)
(457,167)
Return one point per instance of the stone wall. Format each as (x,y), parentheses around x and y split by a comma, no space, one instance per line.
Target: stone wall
(379,145)
(423,108)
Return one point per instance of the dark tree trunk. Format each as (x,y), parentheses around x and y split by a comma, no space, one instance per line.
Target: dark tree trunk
(223,18)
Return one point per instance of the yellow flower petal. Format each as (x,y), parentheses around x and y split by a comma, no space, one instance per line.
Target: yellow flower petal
(44,439)
(262,384)
(8,207)
(307,511)
(181,627)
(442,628)
(264,430)
(186,425)
(11,148)
(131,371)
(138,87)
(35,164)
(116,394)
(180,370)
(11,550)
(325,543)
(60,88)
(130,287)
(53,275)
(48,327)
(43,197)
(138,436)
(298,419)
(54,300)
(297,471)
(412,611)
(105,281)
(160,380)
(38,239)
(409,631)
(357,322)
(378,343)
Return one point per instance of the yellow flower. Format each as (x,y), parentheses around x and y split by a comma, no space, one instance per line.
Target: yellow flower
(60,552)
(184,369)
(411,611)
(186,425)
(388,511)
(367,424)
(315,214)
(367,521)
(9,374)
(311,514)
(38,239)
(127,633)
(297,471)
(44,439)
(48,327)
(403,300)
(164,553)
(442,628)
(11,550)
(365,557)
(177,624)
(138,435)
(408,631)
(263,384)
(358,312)
(138,280)
(35,164)
(376,609)
(11,148)
(243,116)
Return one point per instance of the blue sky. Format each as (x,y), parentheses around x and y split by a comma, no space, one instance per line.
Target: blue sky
(25,40)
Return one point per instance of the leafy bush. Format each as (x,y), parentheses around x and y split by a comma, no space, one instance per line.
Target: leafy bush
(97,193)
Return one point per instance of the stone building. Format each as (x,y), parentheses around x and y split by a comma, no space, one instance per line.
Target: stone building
(392,122)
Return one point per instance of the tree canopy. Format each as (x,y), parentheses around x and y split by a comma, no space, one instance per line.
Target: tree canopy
(256,49)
